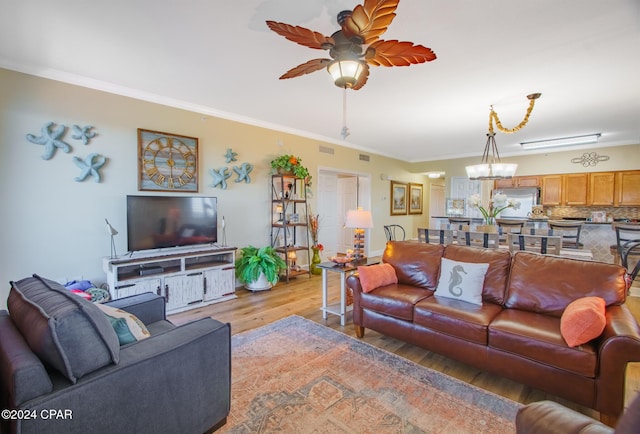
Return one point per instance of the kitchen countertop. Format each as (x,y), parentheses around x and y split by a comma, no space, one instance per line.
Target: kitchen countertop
(480,219)
(540,219)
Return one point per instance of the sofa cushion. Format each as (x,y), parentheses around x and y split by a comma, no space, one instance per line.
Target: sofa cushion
(64,330)
(375,276)
(456,318)
(583,319)
(495,281)
(563,281)
(396,300)
(416,264)
(461,281)
(537,337)
(127,326)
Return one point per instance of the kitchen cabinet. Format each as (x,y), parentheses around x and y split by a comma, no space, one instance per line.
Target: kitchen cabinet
(518,181)
(627,188)
(528,181)
(504,183)
(551,190)
(574,189)
(601,188)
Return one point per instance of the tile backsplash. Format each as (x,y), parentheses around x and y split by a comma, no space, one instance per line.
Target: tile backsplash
(626,212)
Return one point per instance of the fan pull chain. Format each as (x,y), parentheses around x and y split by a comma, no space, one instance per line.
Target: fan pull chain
(345,131)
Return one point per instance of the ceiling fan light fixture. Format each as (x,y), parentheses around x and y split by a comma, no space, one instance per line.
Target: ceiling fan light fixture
(345,72)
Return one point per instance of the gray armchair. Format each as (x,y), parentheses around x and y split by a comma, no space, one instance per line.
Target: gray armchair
(59,362)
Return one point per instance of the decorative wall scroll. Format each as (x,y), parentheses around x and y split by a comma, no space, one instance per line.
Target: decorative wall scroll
(590,159)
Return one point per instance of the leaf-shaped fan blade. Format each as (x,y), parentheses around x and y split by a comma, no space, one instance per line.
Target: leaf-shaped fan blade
(306,68)
(395,53)
(370,20)
(302,36)
(362,80)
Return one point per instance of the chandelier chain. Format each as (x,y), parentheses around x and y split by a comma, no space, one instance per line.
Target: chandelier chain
(493,117)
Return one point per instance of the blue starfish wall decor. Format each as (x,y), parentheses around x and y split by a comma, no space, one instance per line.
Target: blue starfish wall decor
(51,139)
(220,177)
(230,155)
(90,166)
(83,133)
(243,172)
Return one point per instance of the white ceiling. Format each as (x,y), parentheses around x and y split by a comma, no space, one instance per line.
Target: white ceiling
(219,58)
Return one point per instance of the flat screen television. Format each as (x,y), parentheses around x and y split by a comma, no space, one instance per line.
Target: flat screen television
(155,222)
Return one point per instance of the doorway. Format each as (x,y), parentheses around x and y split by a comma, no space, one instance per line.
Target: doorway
(339,191)
(436,204)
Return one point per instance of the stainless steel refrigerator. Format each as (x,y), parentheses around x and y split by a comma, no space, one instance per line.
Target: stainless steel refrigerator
(527,198)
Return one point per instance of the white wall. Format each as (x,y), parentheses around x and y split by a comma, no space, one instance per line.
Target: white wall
(54,226)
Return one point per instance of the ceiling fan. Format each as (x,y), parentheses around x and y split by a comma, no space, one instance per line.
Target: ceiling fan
(356,45)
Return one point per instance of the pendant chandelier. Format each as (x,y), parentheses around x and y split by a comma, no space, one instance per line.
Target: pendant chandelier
(491,167)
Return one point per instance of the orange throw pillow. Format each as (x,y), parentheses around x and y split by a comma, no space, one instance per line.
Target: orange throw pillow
(582,320)
(375,276)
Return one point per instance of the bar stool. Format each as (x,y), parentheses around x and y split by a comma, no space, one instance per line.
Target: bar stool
(626,235)
(570,231)
(459,223)
(394,232)
(509,226)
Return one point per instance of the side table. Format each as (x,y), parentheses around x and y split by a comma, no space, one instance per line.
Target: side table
(344,270)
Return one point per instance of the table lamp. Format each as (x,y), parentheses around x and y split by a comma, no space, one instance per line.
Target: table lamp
(292,260)
(358,220)
(112,232)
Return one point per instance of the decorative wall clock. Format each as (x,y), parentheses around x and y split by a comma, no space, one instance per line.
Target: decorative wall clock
(167,162)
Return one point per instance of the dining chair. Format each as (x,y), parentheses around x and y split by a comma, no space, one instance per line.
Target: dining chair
(479,239)
(539,231)
(570,231)
(546,245)
(435,236)
(394,233)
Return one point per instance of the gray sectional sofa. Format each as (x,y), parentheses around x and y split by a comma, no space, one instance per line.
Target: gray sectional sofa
(63,369)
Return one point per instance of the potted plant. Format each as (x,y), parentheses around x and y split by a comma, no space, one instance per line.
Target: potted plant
(259,268)
(290,164)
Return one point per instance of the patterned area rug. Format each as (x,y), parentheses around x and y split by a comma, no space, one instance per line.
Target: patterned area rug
(297,376)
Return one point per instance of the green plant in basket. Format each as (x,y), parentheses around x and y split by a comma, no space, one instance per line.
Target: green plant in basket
(292,164)
(254,261)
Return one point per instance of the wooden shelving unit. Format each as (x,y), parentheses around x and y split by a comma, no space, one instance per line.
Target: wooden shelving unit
(289,226)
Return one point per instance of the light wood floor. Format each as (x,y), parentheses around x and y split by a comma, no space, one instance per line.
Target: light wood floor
(303,296)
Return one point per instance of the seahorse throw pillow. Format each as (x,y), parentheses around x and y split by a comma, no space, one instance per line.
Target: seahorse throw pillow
(461,280)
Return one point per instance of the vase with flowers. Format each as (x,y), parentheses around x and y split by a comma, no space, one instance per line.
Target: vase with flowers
(316,247)
(288,164)
(498,203)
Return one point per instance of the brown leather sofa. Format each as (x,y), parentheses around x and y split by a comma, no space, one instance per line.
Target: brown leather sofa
(549,417)
(516,331)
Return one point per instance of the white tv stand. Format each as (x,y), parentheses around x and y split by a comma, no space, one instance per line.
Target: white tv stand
(186,278)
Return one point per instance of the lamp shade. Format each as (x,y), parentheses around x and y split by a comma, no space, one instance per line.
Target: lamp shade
(358,218)
(345,72)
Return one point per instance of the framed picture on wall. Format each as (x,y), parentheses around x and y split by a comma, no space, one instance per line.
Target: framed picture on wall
(415,198)
(167,162)
(398,198)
